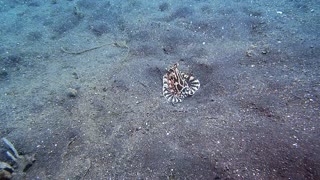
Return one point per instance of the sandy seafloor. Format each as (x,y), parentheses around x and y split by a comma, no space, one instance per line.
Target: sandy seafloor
(101,114)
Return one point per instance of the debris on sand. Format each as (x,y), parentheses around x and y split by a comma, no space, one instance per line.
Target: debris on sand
(22,163)
(71,92)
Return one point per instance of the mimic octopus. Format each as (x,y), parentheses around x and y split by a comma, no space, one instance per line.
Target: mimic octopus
(178,85)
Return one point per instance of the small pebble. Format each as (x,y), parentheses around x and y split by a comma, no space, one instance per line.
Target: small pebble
(279,12)
(72,92)
(75,75)
(264,51)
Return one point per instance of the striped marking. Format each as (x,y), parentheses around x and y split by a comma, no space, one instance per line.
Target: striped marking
(193,83)
(167,94)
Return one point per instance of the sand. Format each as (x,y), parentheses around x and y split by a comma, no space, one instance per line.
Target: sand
(99,113)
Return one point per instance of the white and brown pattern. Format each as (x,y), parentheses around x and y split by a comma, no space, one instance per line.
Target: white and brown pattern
(178,85)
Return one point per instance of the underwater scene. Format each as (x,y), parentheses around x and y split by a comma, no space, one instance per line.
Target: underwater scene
(159,89)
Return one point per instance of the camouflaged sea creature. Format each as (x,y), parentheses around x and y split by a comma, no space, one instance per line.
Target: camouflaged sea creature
(178,85)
